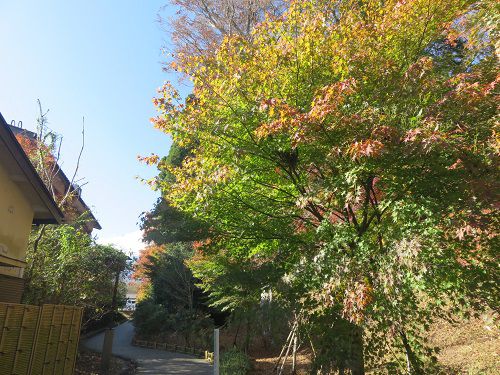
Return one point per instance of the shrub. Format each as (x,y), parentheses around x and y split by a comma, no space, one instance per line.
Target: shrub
(234,362)
(150,318)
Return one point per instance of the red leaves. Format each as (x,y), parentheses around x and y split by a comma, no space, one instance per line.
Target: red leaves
(366,148)
(455,165)
(417,70)
(159,122)
(466,230)
(356,300)
(266,104)
(470,97)
(34,149)
(149,160)
(290,120)
(426,138)
(146,257)
(411,135)
(199,246)
(329,98)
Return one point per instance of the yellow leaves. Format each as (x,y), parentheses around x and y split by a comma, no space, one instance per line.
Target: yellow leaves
(198,177)
(495,138)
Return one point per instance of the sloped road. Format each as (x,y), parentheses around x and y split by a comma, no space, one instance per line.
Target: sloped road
(150,361)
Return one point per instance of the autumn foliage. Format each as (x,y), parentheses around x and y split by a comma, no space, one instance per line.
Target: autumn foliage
(346,156)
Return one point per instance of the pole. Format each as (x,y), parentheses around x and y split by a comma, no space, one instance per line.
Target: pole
(294,355)
(107,347)
(115,291)
(216,351)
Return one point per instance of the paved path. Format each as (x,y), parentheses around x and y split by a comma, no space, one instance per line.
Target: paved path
(150,361)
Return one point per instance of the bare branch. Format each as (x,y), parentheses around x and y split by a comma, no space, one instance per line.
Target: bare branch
(70,187)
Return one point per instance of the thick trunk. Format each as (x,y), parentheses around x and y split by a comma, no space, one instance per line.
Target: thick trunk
(357,360)
(351,356)
(247,337)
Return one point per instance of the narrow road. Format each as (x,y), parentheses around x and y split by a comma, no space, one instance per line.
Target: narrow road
(150,361)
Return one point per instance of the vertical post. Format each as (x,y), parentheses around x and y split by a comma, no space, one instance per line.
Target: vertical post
(294,357)
(115,290)
(107,349)
(107,346)
(216,351)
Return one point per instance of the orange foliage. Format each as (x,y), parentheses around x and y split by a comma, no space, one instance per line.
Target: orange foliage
(34,149)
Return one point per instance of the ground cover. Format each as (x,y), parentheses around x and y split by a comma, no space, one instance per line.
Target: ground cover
(88,363)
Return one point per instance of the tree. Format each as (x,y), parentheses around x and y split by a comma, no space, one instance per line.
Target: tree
(342,161)
(167,224)
(200,25)
(172,283)
(170,301)
(69,268)
(64,264)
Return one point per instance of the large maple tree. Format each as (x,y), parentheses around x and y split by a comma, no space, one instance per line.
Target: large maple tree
(346,156)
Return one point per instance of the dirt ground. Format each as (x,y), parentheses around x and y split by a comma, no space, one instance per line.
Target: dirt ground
(265,365)
(88,363)
(467,348)
(471,348)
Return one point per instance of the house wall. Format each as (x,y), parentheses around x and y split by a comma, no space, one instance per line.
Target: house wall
(16,216)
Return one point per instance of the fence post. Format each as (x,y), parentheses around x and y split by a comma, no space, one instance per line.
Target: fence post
(216,351)
(107,348)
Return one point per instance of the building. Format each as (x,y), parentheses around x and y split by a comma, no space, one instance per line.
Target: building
(24,201)
(131,296)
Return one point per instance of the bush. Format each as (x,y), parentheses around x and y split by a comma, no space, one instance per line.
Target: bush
(150,318)
(109,319)
(234,362)
(153,322)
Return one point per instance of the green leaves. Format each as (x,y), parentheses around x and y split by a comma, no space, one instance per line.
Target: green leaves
(335,157)
(67,267)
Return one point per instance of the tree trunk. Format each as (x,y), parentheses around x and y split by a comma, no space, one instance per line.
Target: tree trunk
(356,362)
(414,363)
(350,352)
(247,337)
(294,355)
(236,334)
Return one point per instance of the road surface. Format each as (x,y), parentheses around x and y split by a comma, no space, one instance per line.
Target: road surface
(150,361)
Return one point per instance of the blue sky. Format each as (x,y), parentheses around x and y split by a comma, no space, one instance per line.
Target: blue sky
(98,59)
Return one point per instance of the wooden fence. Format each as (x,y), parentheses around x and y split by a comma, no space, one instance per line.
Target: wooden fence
(209,356)
(38,340)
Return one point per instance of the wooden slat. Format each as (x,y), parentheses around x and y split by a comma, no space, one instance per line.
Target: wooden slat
(72,346)
(5,357)
(36,341)
(12,289)
(67,359)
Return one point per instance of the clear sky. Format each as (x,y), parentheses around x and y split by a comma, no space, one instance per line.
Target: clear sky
(95,58)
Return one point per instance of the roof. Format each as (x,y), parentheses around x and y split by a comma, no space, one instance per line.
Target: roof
(82,206)
(78,204)
(24,175)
